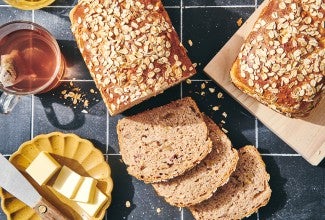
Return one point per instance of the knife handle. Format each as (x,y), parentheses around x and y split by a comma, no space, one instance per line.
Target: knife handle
(47,211)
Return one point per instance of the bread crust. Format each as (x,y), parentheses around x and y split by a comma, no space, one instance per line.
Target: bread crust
(282,61)
(131,49)
(246,191)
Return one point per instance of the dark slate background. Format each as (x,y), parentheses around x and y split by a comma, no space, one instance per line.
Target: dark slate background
(298,188)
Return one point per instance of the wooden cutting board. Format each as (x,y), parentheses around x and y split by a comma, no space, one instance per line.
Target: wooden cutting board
(306,136)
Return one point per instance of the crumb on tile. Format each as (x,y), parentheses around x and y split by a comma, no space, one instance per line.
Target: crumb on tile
(215,108)
(212,90)
(127,204)
(190,42)
(239,22)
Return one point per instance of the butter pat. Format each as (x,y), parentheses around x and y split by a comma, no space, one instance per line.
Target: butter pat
(43,167)
(86,191)
(98,202)
(68,182)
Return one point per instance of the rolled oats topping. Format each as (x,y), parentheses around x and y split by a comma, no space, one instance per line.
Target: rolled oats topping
(130,48)
(283,58)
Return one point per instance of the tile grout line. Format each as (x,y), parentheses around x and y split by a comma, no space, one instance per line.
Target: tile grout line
(107,131)
(220,6)
(256,135)
(33,100)
(281,155)
(181,38)
(181,87)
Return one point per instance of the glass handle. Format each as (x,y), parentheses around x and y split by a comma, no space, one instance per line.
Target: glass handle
(8,102)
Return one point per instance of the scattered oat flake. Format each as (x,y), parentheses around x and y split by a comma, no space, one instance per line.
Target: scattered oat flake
(202,93)
(188,81)
(158,210)
(84,111)
(223,122)
(92,91)
(215,108)
(86,103)
(203,86)
(224,130)
(239,22)
(63,92)
(212,90)
(190,42)
(127,204)
(224,114)
(220,95)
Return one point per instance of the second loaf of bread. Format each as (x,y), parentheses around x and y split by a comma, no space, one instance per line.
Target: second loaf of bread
(282,61)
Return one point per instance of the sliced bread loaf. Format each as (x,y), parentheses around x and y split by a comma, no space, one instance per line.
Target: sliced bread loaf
(246,191)
(202,181)
(164,142)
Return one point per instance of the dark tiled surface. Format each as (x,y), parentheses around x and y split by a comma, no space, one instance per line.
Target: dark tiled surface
(298,188)
(207,35)
(218,2)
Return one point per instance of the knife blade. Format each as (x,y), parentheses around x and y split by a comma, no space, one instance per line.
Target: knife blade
(17,185)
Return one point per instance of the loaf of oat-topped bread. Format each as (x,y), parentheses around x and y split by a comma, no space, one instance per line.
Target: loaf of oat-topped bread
(282,61)
(130,48)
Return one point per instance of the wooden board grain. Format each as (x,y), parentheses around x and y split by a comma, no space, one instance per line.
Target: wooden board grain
(306,136)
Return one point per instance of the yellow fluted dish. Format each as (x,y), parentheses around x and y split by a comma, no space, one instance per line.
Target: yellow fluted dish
(29,4)
(70,150)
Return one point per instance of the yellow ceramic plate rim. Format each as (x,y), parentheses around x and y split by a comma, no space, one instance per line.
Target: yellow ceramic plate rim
(29,5)
(99,158)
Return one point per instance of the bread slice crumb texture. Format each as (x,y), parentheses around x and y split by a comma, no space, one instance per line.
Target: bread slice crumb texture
(202,181)
(247,190)
(164,142)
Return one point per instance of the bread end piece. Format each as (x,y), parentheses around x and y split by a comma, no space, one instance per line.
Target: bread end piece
(246,191)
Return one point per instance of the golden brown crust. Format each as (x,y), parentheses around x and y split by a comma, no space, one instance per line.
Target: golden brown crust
(282,61)
(130,48)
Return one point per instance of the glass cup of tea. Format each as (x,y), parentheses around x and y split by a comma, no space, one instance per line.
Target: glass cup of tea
(28,4)
(30,62)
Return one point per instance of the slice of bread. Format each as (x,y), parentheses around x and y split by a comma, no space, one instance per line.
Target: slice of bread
(202,181)
(246,191)
(164,142)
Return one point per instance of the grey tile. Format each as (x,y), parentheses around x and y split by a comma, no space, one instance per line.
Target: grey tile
(269,143)
(298,189)
(211,29)
(142,197)
(218,2)
(188,216)
(15,126)
(53,112)
(56,21)
(8,14)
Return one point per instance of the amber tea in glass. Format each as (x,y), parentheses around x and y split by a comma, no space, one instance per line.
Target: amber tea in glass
(30,60)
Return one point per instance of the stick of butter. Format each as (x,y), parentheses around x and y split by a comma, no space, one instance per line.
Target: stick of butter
(98,202)
(43,167)
(86,191)
(67,182)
